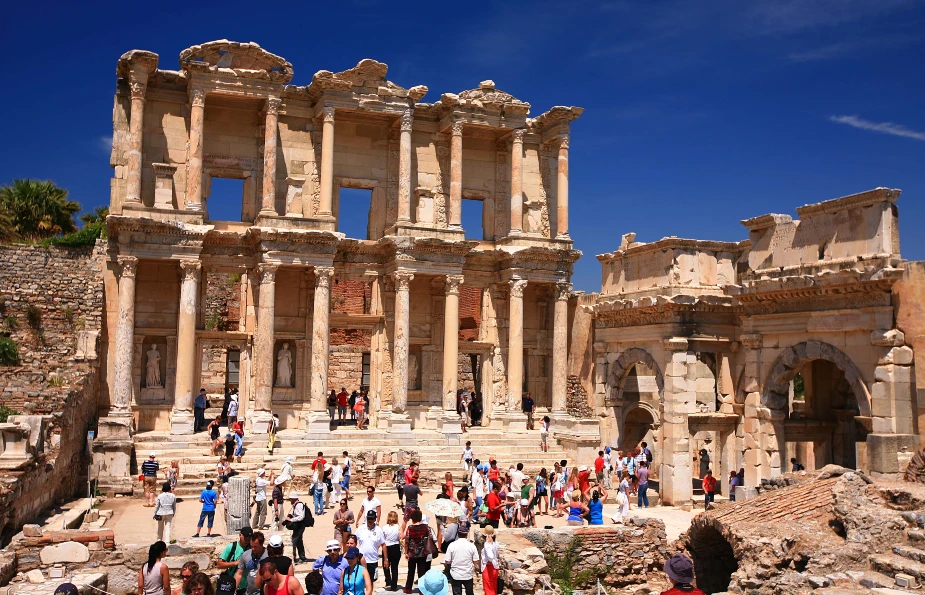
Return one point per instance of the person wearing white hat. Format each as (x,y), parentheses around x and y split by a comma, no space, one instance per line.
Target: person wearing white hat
(260,499)
(523,516)
(331,567)
(296,521)
(275,554)
(149,471)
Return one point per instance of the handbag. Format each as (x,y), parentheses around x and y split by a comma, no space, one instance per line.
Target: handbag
(430,547)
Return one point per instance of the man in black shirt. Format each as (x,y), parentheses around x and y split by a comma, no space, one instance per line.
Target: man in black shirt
(527,406)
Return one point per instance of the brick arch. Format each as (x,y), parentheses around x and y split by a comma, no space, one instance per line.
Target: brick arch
(777,385)
(624,364)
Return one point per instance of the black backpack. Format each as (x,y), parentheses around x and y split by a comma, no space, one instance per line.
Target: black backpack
(225,585)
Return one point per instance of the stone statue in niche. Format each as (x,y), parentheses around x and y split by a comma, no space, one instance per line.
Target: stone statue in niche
(284,367)
(153,368)
(412,371)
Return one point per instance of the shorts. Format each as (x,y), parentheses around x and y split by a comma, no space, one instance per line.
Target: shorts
(150,485)
(342,410)
(206,514)
(544,437)
(346,482)
(408,510)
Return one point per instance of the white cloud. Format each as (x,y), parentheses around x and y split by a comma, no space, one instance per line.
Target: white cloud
(881,127)
(105,144)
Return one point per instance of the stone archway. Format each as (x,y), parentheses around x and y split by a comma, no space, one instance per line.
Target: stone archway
(639,422)
(625,364)
(788,364)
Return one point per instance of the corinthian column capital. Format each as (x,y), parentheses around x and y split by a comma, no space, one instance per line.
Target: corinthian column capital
(267,273)
(198,96)
(457,128)
(128,264)
(273,104)
(407,119)
(189,269)
(563,141)
(563,291)
(402,280)
(452,284)
(327,114)
(517,135)
(517,287)
(323,276)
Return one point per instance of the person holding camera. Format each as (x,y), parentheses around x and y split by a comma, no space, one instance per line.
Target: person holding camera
(296,521)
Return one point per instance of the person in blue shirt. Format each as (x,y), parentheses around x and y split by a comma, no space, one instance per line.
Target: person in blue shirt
(332,568)
(208,498)
(596,509)
(199,411)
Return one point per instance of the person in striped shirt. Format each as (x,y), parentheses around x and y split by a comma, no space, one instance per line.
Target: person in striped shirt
(149,471)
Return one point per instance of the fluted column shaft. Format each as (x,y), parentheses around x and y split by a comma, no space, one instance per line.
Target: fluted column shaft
(562,190)
(451,342)
(560,347)
(400,343)
(404,168)
(186,335)
(264,341)
(455,215)
(125,336)
(321,336)
(271,134)
(194,162)
(327,162)
(517,172)
(136,137)
(515,344)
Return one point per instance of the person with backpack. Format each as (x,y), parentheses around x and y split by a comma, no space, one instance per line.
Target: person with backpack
(228,562)
(296,521)
(648,453)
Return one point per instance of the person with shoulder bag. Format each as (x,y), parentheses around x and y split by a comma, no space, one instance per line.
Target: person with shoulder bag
(296,521)
(164,508)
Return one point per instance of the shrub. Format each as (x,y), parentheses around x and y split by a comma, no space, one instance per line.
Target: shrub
(85,236)
(34,316)
(9,352)
(5,413)
(10,323)
(55,380)
(562,568)
(69,314)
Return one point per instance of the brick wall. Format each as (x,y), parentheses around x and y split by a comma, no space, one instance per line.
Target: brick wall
(350,297)
(345,363)
(223,301)
(470,312)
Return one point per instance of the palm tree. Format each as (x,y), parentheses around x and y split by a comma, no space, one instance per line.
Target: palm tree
(7,226)
(39,208)
(98,215)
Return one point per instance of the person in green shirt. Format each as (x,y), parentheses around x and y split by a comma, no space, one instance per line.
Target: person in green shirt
(228,562)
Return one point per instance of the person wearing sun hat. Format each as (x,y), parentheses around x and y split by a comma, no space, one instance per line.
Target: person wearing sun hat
(433,583)
(355,578)
(331,568)
(680,571)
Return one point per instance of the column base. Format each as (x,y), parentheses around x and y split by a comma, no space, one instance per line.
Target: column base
(511,421)
(318,422)
(883,452)
(398,425)
(260,422)
(450,424)
(112,453)
(181,422)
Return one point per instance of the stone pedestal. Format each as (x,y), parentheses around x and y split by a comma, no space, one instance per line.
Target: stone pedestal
(112,455)
(511,421)
(883,452)
(237,506)
(260,421)
(398,424)
(318,422)
(450,423)
(15,453)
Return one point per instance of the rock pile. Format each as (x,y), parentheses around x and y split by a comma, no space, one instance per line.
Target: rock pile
(577,399)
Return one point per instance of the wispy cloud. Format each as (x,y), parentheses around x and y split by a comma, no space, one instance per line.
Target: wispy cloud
(104,143)
(881,127)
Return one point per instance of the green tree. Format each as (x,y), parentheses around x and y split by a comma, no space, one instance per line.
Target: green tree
(39,208)
(98,215)
(7,226)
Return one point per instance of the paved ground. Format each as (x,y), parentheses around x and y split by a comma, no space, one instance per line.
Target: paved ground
(133,523)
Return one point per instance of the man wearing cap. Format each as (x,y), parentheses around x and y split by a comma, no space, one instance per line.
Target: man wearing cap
(331,567)
(249,564)
(510,507)
(149,471)
(523,516)
(260,498)
(298,519)
(461,558)
(228,561)
(371,541)
(275,554)
(680,571)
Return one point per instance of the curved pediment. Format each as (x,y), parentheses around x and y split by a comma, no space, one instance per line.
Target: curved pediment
(244,59)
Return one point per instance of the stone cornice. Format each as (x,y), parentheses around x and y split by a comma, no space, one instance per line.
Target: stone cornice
(825,283)
(671,244)
(852,201)
(117,225)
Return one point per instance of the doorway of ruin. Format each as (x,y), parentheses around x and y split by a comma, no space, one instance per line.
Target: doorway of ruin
(475,375)
(639,425)
(713,557)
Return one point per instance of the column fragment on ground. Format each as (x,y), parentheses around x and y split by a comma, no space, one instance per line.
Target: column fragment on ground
(237,505)
(680,400)
(560,348)
(271,134)
(517,167)
(125,337)
(451,343)
(263,345)
(181,419)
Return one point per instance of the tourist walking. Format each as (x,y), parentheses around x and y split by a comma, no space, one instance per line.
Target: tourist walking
(355,578)
(642,476)
(419,548)
(260,498)
(371,541)
(337,479)
(490,562)
(527,405)
(249,564)
(342,398)
(412,493)
(228,560)
(273,582)
(154,576)
(495,505)
(164,509)
(733,484)
(392,551)
(149,471)
(466,459)
(272,429)
(623,498)
(709,489)
(576,509)
(215,434)
(541,500)
(318,488)
(348,472)
(239,439)
(399,479)
(296,521)
(223,471)
(608,467)
(331,568)
(479,487)
(199,410)
(599,465)
(369,504)
(332,405)
(544,433)
(461,558)
(208,497)
(233,409)
(343,523)
(359,408)
(680,571)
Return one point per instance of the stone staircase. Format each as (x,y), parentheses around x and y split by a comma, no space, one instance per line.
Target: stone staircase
(436,452)
(891,570)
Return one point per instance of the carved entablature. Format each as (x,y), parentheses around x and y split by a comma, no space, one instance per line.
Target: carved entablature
(482,106)
(615,313)
(362,87)
(554,124)
(244,60)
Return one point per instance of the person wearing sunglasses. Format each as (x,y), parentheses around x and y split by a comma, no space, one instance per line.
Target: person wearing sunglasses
(186,573)
(331,567)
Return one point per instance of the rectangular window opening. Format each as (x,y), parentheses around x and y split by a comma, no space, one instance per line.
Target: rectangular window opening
(226,199)
(353,207)
(472,215)
(365,378)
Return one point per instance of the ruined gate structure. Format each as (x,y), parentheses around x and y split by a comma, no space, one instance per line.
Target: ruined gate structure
(780,346)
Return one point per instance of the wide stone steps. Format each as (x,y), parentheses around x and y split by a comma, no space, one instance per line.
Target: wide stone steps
(909,552)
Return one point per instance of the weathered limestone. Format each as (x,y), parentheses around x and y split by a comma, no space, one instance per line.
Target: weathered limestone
(320,341)
(327,162)
(562,190)
(263,344)
(560,347)
(515,342)
(400,348)
(181,420)
(194,159)
(237,505)
(455,210)
(404,168)
(517,195)
(675,471)
(268,206)
(451,342)
(142,64)
(125,337)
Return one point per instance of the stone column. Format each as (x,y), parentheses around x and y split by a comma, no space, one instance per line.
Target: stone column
(515,345)
(754,455)
(560,348)
(680,399)
(181,419)
(125,338)
(321,338)
(404,168)
(194,161)
(268,206)
(455,212)
(400,342)
(327,162)
(451,343)
(562,190)
(517,172)
(263,347)
(237,508)
(138,84)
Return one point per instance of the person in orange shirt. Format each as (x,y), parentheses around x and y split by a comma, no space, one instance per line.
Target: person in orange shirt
(709,489)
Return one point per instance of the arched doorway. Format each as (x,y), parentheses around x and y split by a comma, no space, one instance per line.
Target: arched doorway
(639,425)
(821,393)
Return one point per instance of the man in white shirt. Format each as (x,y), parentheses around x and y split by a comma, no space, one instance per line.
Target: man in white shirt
(608,467)
(461,558)
(467,457)
(370,503)
(517,478)
(370,540)
(260,499)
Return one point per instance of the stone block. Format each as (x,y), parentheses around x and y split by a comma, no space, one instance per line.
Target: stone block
(897,355)
(32,531)
(882,451)
(882,425)
(884,373)
(887,338)
(35,577)
(744,493)
(69,552)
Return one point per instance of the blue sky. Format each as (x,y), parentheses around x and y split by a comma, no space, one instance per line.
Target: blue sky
(698,114)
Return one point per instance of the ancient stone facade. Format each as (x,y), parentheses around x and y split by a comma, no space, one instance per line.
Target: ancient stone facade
(743,355)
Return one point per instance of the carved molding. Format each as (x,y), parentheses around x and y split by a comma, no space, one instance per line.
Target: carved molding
(402,280)
(517,135)
(129,266)
(266,273)
(273,104)
(323,276)
(407,119)
(198,96)
(458,128)
(189,269)
(751,341)
(137,89)
(452,284)
(517,287)
(327,114)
